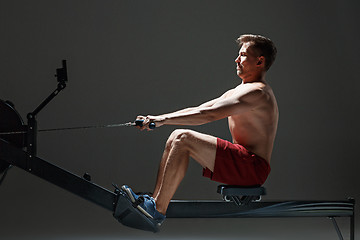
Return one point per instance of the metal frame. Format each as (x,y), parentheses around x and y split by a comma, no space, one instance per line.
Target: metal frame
(280,209)
(58,176)
(177,208)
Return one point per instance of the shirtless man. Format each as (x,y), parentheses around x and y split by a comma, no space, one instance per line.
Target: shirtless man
(252,114)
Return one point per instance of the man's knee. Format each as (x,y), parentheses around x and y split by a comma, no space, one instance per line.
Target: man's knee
(179,137)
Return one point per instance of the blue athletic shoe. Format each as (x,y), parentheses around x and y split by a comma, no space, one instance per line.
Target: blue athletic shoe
(147,207)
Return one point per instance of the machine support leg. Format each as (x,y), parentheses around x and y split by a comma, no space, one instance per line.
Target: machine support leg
(337,228)
(352,228)
(352,221)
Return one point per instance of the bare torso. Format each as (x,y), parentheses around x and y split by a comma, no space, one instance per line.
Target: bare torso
(255,129)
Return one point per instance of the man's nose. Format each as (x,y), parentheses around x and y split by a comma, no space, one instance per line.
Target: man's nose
(237,59)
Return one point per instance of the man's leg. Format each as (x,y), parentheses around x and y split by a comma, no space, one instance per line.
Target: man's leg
(162,168)
(181,145)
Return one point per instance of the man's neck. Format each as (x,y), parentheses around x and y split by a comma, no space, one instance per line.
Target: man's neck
(260,77)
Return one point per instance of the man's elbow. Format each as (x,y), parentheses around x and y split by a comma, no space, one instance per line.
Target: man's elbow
(209,115)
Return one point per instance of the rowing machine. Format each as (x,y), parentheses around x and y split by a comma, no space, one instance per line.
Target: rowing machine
(20,150)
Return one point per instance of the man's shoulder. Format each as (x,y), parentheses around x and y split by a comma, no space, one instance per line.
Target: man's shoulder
(250,88)
(252,92)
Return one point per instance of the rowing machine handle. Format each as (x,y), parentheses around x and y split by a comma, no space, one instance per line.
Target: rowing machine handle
(140,124)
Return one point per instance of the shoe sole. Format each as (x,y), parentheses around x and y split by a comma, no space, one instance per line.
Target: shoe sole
(129,194)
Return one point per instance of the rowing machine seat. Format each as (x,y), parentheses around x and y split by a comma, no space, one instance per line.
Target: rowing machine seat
(241,195)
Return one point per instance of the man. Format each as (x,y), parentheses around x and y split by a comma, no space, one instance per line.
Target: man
(252,114)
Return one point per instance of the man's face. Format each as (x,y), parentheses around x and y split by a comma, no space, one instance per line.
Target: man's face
(246,62)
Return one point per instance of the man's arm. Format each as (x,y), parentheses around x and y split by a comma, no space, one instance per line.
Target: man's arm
(228,104)
(190,109)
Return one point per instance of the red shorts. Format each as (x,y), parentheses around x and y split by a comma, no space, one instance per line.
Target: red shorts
(235,165)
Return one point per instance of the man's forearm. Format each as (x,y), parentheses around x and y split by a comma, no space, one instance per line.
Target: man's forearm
(189,116)
(191,109)
(173,114)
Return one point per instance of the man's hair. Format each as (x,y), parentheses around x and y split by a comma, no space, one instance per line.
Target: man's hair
(262,46)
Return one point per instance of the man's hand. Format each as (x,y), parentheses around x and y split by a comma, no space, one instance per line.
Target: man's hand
(157,120)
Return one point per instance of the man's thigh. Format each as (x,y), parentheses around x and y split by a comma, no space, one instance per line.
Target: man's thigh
(202,148)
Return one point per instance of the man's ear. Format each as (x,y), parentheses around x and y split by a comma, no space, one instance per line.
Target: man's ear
(261,61)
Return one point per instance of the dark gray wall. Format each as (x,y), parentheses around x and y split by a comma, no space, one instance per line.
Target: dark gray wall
(148,57)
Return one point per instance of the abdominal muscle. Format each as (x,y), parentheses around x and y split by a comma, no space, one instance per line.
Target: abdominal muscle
(255,130)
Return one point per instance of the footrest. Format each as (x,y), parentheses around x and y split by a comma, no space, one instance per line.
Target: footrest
(130,216)
(241,195)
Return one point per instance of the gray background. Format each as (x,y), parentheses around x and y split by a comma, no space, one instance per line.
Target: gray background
(149,57)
